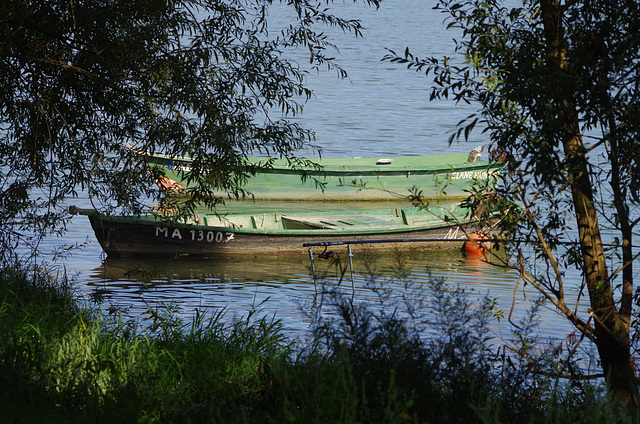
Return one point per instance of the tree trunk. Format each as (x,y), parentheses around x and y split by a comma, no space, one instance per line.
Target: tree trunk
(611,326)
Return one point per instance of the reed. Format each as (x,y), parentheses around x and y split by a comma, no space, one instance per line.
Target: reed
(60,362)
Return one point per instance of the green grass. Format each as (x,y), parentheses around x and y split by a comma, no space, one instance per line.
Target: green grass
(61,363)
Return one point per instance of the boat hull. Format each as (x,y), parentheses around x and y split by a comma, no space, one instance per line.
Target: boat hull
(126,238)
(436,177)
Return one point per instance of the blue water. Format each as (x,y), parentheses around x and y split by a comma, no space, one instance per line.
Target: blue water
(382,109)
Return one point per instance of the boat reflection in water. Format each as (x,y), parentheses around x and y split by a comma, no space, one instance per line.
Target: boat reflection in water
(281,286)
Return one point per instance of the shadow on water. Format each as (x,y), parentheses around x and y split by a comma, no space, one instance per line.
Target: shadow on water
(287,268)
(279,284)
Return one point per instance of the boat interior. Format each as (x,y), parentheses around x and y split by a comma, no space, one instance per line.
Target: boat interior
(389,218)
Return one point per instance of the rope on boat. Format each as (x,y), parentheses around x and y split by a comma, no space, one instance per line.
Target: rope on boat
(313,270)
(428,240)
(353,284)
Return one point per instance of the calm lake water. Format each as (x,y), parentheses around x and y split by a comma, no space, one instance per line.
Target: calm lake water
(381,110)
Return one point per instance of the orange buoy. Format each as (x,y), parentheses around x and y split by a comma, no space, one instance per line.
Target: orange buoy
(476,244)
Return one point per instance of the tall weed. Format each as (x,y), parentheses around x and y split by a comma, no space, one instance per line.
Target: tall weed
(426,356)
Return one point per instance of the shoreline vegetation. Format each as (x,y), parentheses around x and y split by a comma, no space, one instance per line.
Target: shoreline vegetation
(63,362)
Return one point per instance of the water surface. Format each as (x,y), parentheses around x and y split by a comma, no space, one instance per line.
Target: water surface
(382,110)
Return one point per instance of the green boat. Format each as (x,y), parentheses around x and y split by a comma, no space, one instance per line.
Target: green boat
(441,226)
(357,179)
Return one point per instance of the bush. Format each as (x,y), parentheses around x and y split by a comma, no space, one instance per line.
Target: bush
(395,361)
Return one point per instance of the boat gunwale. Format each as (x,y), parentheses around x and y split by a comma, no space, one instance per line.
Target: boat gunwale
(345,166)
(315,232)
